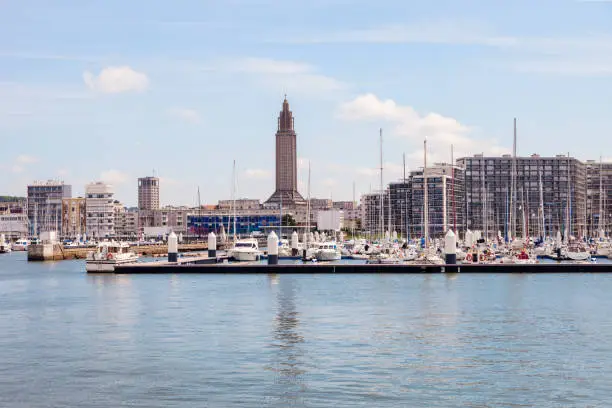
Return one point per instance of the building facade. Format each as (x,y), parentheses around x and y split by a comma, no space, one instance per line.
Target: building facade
(74,217)
(550,195)
(45,205)
(599,197)
(241,204)
(247,222)
(445,200)
(286,161)
(148,193)
(126,221)
(100,207)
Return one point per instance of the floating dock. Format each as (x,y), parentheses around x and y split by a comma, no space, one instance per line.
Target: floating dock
(210,266)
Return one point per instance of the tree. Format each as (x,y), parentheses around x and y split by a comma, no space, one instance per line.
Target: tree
(289,221)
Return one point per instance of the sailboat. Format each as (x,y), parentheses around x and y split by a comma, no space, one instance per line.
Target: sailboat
(243,249)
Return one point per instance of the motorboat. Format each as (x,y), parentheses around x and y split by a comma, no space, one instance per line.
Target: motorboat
(21,245)
(328,251)
(108,255)
(245,250)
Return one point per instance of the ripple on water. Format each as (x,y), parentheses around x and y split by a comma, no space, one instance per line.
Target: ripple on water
(68,339)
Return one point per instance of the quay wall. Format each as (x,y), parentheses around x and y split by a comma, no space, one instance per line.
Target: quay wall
(56,252)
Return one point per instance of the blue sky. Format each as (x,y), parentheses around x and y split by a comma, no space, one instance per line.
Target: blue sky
(113,90)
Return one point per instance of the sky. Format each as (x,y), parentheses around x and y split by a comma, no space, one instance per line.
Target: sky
(115,90)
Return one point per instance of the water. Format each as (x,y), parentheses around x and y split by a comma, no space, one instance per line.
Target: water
(68,339)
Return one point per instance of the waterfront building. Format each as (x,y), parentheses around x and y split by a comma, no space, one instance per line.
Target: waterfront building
(126,221)
(100,208)
(351,213)
(330,220)
(599,184)
(400,206)
(286,192)
(74,217)
(241,204)
(489,194)
(375,222)
(45,205)
(445,197)
(403,204)
(247,222)
(148,193)
(13,205)
(13,225)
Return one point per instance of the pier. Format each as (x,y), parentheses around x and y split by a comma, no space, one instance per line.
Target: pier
(208,267)
(57,252)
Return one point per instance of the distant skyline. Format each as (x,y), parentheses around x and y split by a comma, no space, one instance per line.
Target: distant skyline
(113,90)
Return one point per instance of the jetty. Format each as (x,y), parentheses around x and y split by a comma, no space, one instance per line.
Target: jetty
(57,252)
(213,266)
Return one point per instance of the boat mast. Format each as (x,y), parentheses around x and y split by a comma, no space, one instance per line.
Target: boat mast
(600,225)
(308,210)
(354,205)
(513,186)
(453,191)
(234,199)
(425,198)
(402,212)
(569,198)
(382,197)
(542,205)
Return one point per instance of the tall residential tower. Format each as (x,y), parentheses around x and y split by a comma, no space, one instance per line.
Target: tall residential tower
(148,193)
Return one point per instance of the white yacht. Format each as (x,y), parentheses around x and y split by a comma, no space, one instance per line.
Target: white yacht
(576,252)
(5,246)
(107,255)
(328,251)
(21,245)
(245,250)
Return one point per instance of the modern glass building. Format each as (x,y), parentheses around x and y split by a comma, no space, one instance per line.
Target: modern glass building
(245,223)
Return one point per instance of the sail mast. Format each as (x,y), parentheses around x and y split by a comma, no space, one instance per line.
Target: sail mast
(382,197)
(425,195)
(234,199)
(513,186)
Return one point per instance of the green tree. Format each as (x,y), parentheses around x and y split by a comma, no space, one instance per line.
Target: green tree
(289,221)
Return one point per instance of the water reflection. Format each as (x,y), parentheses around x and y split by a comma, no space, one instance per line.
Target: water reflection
(288,356)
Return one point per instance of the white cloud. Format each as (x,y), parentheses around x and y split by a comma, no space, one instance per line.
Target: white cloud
(424,32)
(257,173)
(289,76)
(407,123)
(116,80)
(26,159)
(17,169)
(114,177)
(187,115)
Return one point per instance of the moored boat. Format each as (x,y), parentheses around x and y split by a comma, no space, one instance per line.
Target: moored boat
(108,255)
(245,250)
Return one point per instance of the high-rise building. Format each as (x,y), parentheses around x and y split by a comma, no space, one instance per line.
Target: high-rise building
(148,193)
(445,198)
(599,196)
(556,184)
(45,205)
(100,207)
(286,161)
(73,217)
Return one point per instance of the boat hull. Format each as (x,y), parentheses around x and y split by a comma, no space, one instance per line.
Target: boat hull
(245,256)
(107,266)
